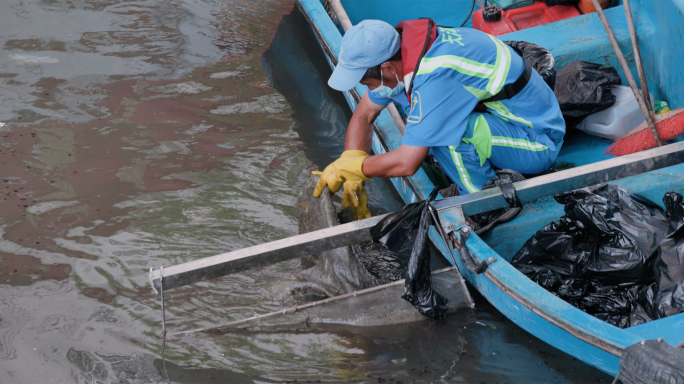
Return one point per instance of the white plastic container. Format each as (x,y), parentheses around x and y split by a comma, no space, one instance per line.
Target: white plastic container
(617,120)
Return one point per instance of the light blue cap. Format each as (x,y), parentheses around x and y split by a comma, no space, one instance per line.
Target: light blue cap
(365,45)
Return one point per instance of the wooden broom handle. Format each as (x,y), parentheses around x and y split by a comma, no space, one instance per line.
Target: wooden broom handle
(628,74)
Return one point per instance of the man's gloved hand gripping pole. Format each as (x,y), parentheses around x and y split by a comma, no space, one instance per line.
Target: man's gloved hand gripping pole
(347,171)
(355,166)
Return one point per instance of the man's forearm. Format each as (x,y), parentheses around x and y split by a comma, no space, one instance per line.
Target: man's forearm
(360,130)
(360,133)
(404,161)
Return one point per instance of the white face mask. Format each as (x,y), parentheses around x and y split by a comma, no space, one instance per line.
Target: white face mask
(386,91)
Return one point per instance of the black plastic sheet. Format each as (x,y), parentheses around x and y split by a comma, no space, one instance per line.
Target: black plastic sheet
(539,58)
(393,231)
(583,88)
(611,255)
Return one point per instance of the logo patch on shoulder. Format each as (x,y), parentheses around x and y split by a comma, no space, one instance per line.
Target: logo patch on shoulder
(451,35)
(416,109)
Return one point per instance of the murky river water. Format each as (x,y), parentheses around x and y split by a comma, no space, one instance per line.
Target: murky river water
(152,132)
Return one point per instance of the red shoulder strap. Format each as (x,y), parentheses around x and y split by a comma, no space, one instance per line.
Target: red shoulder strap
(417,37)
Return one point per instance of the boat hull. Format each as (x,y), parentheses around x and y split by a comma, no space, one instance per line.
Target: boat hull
(531,307)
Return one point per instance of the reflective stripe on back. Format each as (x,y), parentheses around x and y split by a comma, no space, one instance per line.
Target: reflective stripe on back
(501,67)
(501,109)
(480,94)
(494,74)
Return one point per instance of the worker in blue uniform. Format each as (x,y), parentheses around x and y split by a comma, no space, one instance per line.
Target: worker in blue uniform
(470,99)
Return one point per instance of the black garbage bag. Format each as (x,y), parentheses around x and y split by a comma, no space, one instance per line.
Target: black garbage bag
(669,276)
(539,58)
(674,207)
(583,88)
(503,177)
(392,231)
(665,297)
(600,256)
(642,308)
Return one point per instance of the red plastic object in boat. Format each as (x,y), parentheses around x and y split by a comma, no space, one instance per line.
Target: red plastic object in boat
(520,18)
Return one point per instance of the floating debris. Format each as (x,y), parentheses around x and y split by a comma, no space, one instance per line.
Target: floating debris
(273,103)
(224,75)
(190,87)
(26,59)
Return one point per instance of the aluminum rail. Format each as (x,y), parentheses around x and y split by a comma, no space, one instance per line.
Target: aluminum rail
(359,231)
(567,180)
(265,254)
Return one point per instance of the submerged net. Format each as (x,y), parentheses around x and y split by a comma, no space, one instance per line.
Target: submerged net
(341,271)
(330,273)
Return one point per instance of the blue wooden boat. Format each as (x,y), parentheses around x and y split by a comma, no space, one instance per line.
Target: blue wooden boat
(659,24)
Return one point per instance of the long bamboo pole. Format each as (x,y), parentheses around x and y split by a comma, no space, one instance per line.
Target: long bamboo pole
(628,73)
(637,56)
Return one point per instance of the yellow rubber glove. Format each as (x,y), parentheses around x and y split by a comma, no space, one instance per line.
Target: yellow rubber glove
(347,171)
(355,198)
(347,167)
